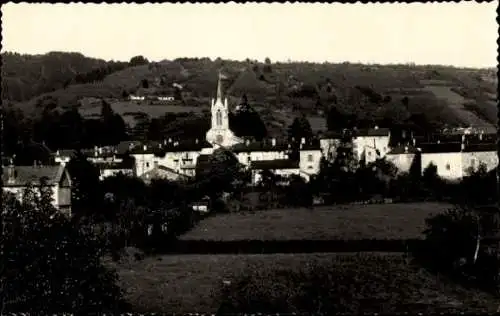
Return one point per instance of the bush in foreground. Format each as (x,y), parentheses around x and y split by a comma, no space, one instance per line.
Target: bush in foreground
(50,265)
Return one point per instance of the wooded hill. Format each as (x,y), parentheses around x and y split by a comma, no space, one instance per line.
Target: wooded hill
(442,96)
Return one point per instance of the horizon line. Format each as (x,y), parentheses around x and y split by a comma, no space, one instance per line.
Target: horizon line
(288,61)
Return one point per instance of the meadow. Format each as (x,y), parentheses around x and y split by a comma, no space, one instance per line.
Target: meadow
(456,102)
(351,283)
(384,221)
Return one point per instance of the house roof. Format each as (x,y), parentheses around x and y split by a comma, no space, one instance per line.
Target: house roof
(265,145)
(274,164)
(169,146)
(65,153)
(33,174)
(433,148)
(127,164)
(399,150)
(480,147)
(161,168)
(331,135)
(371,132)
(185,145)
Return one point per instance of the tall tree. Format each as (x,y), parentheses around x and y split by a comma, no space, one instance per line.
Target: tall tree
(300,128)
(49,264)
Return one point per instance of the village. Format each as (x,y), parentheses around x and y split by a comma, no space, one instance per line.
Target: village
(267,158)
(453,153)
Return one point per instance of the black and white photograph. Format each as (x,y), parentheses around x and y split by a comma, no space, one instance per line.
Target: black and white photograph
(246,158)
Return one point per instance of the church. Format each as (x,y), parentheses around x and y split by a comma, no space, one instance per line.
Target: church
(179,157)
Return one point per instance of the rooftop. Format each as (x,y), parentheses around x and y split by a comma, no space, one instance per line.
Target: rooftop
(371,132)
(24,175)
(274,164)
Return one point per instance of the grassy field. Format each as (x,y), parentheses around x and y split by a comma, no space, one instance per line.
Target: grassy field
(153,111)
(386,221)
(456,102)
(369,282)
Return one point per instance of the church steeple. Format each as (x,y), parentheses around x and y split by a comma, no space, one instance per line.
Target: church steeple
(219,88)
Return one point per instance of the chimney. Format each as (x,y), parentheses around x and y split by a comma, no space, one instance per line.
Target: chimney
(273,142)
(302,141)
(34,163)
(11,172)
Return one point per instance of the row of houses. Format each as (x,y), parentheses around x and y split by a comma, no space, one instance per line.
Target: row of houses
(453,153)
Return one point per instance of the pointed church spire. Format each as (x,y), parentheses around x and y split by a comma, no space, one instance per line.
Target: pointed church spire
(219,87)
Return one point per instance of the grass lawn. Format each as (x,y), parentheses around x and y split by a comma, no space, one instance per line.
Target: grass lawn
(367,282)
(383,221)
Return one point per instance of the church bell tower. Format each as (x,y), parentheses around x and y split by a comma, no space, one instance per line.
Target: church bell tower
(219,133)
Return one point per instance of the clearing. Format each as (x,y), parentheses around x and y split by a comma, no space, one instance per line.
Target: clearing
(368,282)
(456,103)
(381,221)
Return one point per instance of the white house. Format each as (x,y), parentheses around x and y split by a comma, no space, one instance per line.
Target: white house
(17,178)
(309,158)
(280,167)
(371,143)
(454,160)
(403,157)
(329,142)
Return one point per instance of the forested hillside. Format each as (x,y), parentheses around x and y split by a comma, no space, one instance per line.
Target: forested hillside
(429,96)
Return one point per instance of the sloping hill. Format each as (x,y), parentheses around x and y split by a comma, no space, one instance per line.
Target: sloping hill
(27,76)
(364,90)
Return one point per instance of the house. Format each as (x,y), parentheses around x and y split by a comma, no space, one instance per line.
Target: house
(329,142)
(309,158)
(162,172)
(403,157)
(455,160)
(447,157)
(178,155)
(270,149)
(280,167)
(475,154)
(371,143)
(17,178)
(112,169)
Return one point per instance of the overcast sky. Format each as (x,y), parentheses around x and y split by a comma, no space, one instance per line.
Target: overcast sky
(460,34)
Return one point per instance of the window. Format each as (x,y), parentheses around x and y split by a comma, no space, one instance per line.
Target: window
(147,164)
(249,159)
(448,166)
(218,118)
(309,158)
